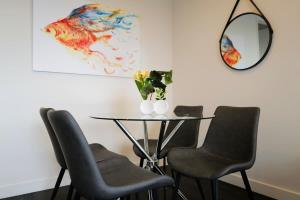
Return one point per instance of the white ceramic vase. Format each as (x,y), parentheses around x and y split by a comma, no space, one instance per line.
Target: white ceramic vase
(161,107)
(146,107)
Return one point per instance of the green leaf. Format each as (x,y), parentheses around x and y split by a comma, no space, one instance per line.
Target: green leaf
(148,88)
(145,88)
(155,75)
(168,77)
(144,95)
(158,84)
(139,84)
(160,94)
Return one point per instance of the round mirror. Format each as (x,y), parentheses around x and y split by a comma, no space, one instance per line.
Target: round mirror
(246,41)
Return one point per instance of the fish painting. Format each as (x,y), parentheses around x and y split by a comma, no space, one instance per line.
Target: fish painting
(99,35)
(230,54)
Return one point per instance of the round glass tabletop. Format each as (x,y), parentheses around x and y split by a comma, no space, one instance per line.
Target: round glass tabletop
(141,117)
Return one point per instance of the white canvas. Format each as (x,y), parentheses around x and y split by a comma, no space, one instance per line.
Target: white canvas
(97,39)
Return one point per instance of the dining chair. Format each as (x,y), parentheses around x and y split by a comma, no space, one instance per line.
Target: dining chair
(107,179)
(186,136)
(229,147)
(99,152)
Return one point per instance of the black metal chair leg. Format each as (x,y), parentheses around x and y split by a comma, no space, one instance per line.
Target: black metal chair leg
(200,189)
(125,198)
(165,164)
(57,184)
(173,174)
(247,185)
(177,178)
(155,195)
(141,162)
(165,170)
(77,196)
(70,192)
(214,189)
(165,193)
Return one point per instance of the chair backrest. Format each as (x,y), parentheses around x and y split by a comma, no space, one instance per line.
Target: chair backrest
(187,134)
(55,144)
(232,134)
(84,173)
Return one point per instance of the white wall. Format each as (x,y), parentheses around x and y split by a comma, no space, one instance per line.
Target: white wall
(27,161)
(203,78)
(26,157)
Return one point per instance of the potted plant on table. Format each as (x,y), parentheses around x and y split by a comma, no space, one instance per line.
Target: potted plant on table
(144,85)
(153,82)
(160,80)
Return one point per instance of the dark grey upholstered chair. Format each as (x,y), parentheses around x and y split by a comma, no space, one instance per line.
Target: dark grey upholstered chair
(99,152)
(229,146)
(186,136)
(106,179)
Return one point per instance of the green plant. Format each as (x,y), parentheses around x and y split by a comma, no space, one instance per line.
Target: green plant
(155,81)
(143,83)
(159,81)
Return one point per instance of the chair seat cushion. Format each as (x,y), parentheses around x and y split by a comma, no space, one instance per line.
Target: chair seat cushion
(101,153)
(126,178)
(201,164)
(152,149)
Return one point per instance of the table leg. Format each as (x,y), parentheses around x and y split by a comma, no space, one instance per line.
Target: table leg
(150,195)
(132,139)
(173,132)
(135,142)
(146,139)
(160,138)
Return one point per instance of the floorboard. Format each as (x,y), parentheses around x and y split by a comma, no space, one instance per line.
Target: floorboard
(188,186)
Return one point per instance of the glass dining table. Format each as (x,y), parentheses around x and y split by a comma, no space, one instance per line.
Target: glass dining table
(152,160)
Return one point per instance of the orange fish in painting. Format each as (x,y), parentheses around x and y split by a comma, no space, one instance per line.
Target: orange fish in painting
(88,25)
(70,36)
(230,54)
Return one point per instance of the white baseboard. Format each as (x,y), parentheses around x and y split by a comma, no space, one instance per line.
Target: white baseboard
(263,188)
(26,187)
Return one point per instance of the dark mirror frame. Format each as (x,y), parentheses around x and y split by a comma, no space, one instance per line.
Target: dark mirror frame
(230,20)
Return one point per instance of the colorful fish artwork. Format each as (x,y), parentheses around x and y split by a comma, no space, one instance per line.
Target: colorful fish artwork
(107,39)
(230,54)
